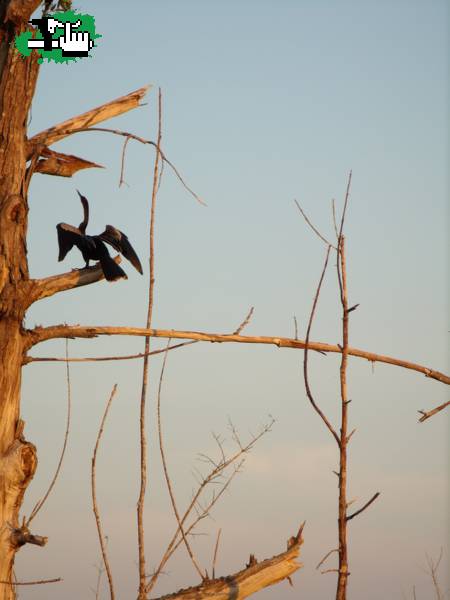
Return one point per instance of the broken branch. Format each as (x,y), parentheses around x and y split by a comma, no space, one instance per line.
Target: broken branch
(250,580)
(91,117)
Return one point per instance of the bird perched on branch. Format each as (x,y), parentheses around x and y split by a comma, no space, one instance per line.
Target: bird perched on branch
(92,247)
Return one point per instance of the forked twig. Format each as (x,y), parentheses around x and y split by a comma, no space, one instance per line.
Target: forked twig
(137,138)
(101,537)
(40,504)
(203,510)
(433,567)
(167,477)
(430,413)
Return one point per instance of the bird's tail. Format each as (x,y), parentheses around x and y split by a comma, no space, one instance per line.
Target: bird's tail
(111,269)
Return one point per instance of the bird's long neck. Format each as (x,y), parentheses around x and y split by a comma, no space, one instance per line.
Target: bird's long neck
(82,226)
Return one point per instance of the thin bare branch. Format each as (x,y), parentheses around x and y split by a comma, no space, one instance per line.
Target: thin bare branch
(37,582)
(29,359)
(142,433)
(305,357)
(137,138)
(100,570)
(40,504)
(41,334)
(344,211)
(333,206)
(122,163)
(101,537)
(329,571)
(216,548)
(430,413)
(295,328)
(245,322)
(316,231)
(350,435)
(167,476)
(326,556)
(366,505)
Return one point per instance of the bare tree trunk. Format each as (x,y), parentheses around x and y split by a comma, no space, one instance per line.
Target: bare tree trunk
(17,457)
(341,593)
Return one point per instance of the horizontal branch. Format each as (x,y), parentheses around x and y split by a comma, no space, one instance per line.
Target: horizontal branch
(91,117)
(41,334)
(48,286)
(248,581)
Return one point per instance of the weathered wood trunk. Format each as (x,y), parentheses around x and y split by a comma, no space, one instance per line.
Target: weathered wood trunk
(17,457)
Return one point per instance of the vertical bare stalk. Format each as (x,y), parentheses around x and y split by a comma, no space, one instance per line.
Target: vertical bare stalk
(101,537)
(143,439)
(341,592)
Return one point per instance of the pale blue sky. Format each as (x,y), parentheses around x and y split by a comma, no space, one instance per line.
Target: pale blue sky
(264,102)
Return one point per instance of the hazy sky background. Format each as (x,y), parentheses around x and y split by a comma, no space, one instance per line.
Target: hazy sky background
(264,102)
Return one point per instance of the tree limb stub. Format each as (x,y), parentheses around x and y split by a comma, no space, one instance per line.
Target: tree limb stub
(48,286)
(41,334)
(91,117)
(248,581)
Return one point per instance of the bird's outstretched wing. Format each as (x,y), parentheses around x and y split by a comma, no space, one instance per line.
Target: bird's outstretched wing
(68,237)
(120,242)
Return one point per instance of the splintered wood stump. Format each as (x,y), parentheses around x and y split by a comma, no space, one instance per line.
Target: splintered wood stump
(248,581)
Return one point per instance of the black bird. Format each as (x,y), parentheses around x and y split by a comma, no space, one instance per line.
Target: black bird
(92,247)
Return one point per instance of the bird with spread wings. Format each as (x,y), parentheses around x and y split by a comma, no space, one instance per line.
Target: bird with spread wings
(93,247)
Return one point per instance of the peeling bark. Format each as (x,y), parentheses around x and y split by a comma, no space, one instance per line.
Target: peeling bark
(17,457)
